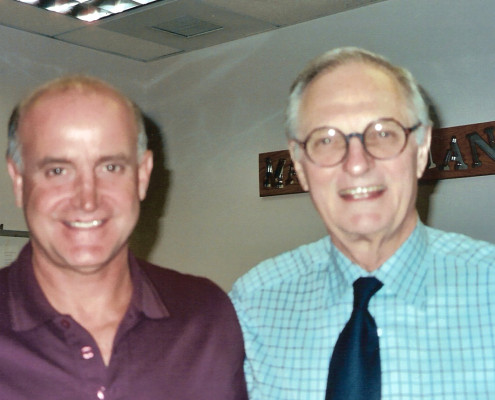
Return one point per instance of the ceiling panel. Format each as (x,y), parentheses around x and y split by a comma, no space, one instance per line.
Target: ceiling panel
(138,33)
(116,43)
(144,25)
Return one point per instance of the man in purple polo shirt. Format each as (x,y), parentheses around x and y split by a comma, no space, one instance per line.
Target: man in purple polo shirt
(80,316)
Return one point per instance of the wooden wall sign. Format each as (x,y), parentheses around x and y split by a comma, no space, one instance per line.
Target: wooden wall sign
(277,174)
(456,152)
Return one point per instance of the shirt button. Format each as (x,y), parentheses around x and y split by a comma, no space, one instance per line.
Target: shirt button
(87,353)
(101,393)
(65,323)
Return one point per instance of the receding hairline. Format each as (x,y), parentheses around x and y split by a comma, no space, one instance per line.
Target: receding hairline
(365,63)
(367,66)
(78,84)
(340,57)
(336,58)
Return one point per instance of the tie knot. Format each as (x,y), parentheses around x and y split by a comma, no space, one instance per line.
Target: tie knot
(364,289)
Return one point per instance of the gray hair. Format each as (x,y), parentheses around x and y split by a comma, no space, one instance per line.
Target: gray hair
(341,56)
(80,83)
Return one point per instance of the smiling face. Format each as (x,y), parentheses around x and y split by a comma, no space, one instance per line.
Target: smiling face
(360,198)
(81,181)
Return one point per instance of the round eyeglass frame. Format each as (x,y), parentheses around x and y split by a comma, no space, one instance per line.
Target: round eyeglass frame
(360,136)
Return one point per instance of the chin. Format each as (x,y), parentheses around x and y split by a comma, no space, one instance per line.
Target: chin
(92,257)
(367,220)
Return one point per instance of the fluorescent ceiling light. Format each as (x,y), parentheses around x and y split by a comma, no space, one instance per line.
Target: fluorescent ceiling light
(87,10)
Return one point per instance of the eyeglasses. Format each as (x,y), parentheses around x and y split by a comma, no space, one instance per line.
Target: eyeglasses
(382,139)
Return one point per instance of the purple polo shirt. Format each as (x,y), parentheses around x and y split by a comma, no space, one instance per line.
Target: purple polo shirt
(179,339)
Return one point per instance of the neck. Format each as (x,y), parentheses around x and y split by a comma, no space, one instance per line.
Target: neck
(96,300)
(371,251)
(69,289)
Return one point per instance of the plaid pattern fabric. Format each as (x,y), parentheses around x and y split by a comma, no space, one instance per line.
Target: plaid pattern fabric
(435,316)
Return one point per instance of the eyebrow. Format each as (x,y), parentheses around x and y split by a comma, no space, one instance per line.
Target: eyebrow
(59,160)
(51,160)
(115,157)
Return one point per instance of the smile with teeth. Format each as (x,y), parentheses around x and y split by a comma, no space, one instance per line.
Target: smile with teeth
(85,224)
(362,192)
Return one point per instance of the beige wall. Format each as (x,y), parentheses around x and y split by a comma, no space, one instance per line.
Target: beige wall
(218,108)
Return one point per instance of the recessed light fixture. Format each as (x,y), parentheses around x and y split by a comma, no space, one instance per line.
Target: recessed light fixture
(88,10)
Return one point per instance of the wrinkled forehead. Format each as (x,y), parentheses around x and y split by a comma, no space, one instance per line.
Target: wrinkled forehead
(70,95)
(81,115)
(58,102)
(353,87)
(364,75)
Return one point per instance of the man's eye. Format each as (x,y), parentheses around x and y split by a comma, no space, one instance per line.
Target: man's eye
(324,141)
(113,168)
(55,171)
(384,134)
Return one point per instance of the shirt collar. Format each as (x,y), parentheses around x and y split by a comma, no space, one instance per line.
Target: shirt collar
(145,297)
(29,307)
(402,275)
(27,303)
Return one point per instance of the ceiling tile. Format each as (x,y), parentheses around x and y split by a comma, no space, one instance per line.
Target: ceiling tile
(117,43)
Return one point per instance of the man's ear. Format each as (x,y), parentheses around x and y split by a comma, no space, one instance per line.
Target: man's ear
(423,153)
(144,173)
(17,180)
(296,154)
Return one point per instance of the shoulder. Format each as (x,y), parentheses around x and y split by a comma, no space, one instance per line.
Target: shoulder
(460,250)
(460,262)
(202,323)
(4,273)
(186,292)
(4,292)
(284,268)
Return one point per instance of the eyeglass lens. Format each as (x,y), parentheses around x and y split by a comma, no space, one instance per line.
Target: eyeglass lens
(382,139)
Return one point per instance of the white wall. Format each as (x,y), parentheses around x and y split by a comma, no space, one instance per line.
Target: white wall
(220,107)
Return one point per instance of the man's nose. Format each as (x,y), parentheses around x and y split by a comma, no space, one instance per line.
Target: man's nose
(357,161)
(86,192)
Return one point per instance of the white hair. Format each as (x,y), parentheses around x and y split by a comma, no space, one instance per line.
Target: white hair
(332,59)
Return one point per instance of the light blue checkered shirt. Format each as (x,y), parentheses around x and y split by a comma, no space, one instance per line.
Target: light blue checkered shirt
(435,316)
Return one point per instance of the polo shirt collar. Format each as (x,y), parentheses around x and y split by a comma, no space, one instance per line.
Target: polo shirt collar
(27,303)
(30,308)
(145,297)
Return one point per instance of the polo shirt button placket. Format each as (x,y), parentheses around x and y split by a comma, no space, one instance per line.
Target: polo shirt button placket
(87,352)
(100,395)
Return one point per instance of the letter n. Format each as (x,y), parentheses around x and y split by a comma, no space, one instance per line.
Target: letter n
(488,148)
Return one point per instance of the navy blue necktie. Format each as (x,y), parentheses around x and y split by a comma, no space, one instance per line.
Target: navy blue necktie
(354,372)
